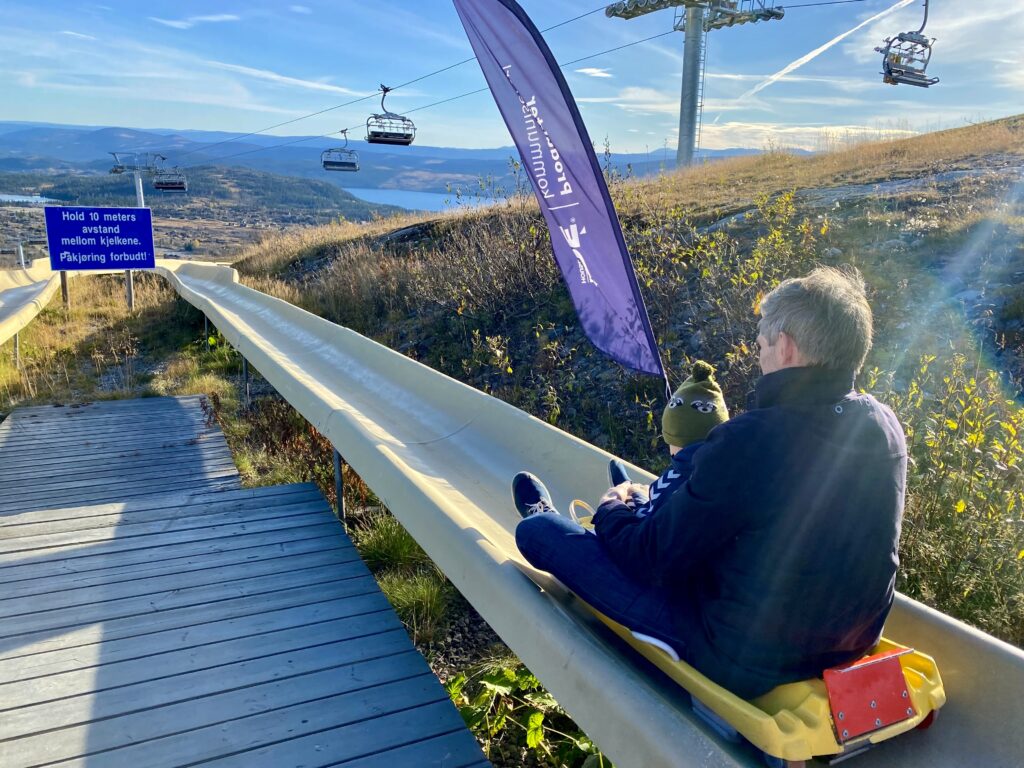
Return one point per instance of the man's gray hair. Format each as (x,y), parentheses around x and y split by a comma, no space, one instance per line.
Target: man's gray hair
(826,313)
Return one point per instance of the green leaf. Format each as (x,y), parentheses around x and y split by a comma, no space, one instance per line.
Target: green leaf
(535,730)
(501,682)
(455,686)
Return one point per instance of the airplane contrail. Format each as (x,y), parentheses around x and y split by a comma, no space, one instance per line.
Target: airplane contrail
(820,50)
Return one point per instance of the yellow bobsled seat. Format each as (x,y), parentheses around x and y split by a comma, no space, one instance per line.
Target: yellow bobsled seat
(800,721)
(892,690)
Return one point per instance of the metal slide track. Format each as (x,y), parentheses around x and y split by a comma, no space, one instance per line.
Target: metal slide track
(440,455)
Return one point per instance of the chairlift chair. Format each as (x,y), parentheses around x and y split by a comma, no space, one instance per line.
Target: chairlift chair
(905,57)
(389,128)
(340,158)
(172,180)
(120,166)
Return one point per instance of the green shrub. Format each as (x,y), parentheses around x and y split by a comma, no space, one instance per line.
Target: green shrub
(420,599)
(385,544)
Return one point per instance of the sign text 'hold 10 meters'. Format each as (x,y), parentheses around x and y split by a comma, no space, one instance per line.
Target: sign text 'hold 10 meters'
(100,238)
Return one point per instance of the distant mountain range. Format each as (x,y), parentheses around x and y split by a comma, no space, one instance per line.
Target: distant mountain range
(51,148)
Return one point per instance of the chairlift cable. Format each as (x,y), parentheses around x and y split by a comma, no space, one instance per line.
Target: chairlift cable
(443,101)
(206,147)
(824,2)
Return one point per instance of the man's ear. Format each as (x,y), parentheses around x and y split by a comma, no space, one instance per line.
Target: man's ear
(789,353)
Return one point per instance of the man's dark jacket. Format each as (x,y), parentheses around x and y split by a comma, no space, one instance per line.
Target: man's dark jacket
(781,548)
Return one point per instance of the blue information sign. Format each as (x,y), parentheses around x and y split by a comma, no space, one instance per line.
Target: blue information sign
(100,238)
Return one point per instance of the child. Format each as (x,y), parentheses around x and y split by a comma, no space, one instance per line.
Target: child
(695,409)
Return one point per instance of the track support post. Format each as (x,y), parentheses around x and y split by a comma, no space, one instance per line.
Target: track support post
(65,295)
(339,486)
(17,351)
(245,384)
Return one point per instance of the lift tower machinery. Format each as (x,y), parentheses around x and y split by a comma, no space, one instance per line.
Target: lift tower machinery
(696,18)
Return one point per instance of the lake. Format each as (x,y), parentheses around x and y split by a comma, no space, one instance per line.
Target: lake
(24,199)
(415,201)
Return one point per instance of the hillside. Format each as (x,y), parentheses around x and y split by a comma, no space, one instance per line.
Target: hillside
(225,208)
(26,147)
(935,223)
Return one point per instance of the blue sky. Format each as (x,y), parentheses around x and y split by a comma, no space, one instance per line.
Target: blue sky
(242,66)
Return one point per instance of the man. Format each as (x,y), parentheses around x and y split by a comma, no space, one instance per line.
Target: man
(777,556)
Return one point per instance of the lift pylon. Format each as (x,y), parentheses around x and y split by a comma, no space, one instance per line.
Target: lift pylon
(696,18)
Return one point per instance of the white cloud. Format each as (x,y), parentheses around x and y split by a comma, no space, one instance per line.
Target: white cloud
(795,65)
(191,21)
(274,77)
(300,9)
(594,72)
(79,35)
(809,137)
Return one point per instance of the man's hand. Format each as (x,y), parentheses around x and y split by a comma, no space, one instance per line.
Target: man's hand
(624,492)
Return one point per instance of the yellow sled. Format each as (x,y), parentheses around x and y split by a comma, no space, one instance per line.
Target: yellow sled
(797,721)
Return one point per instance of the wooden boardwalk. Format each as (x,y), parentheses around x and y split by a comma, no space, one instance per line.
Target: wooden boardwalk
(154,613)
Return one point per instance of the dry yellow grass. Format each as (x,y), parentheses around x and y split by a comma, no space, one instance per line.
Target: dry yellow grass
(701,193)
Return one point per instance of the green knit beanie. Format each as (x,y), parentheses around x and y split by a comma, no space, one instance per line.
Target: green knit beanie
(695,409)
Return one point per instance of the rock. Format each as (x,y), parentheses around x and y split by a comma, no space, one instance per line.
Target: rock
(892,245)
(696,342)
(970,296)
(832,253)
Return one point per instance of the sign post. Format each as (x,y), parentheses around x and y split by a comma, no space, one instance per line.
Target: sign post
(107,239)
(129,278)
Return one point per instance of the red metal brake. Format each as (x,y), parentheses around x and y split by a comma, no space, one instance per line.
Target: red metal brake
(868,694)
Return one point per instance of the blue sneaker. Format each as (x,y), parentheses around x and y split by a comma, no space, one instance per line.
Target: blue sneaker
(617,474)
(530,496)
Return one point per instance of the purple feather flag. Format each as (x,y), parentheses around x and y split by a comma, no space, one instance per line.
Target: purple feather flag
(545,124)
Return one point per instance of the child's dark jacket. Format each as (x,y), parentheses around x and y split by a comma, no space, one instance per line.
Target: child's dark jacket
(781,547)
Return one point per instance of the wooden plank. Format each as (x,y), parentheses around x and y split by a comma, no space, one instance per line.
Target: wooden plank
(110,576)
(174,663)
(86,708)
(51,521)
(107,574)
(89,497)
(152,521)
(138,438)
(39,486)
(240,497)
(184,401)
(98,495)
(100,458)
(331,728)
(33,627)
(93,597)
(85,424)
(11,549)
(401,721)
(186,617)
(102,652)
(451,750)
(101,557)
(141,440)
(133,734)
(111,425)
